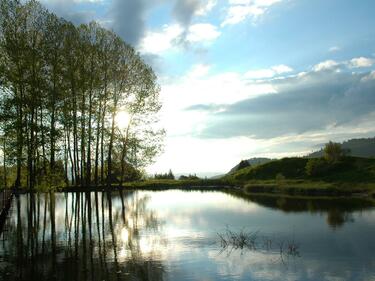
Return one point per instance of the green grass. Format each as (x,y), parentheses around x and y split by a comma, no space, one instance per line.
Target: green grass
(351,175)
(349,169)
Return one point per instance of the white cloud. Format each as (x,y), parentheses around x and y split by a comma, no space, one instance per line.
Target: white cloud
(334,49)
(157,42)
(369,77)
(361,62)
(325,65)
(268,73)
(199,71)
(206,8)
(199,86)
(169,37)
(202,32)
(239,10)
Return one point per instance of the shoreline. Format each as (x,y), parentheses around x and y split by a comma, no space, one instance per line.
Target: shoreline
(291,188)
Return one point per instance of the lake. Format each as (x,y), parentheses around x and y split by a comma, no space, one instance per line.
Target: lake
(181,235)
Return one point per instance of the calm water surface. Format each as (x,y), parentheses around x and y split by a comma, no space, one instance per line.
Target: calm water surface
(173,235)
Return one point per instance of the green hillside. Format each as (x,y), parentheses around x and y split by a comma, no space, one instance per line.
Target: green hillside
(364,147)
(348,169)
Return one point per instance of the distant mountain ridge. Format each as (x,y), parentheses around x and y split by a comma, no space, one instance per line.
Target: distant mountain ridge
(364,147)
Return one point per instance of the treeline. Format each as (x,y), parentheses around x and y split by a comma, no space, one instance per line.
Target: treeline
(61,88)
(166,176)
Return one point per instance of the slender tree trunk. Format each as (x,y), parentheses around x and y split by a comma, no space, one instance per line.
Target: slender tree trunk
(88,162)
(19,140)
(43,142)
(98,128)
(4,163)
(110,147)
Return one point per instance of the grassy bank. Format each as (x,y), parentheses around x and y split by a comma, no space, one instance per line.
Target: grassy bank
(310,188)
(201,184)
(350,176)
(347,177)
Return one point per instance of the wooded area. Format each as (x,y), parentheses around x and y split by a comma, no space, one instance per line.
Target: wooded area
(61,88)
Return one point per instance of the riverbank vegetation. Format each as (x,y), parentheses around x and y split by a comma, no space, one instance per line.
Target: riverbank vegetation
(78,105)
(333,174)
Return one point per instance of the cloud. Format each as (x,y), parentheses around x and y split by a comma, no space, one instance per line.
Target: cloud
(369,77)
(172,36)
(128,19)
(185,10)
(361,62)
(268,73)
(70,10)
(334,49)
(202,32)
(317,100)
(157,42)
(325,65)
(240,10)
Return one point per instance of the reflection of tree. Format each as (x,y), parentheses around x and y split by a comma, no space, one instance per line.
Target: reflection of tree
(337,218)
(338,210)
(80,236)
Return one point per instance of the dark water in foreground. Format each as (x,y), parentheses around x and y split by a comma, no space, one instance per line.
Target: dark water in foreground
(172,235)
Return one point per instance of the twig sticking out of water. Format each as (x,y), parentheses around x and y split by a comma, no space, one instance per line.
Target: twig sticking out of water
(238,240)
(231,240)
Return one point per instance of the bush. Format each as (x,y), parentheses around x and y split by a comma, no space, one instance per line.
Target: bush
(189,177)
(243,164)
(316,167)
(280,177)
(333,152)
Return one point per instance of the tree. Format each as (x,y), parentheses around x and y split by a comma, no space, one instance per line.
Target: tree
(61,89)
(316,167)
(333,152)
(243,164)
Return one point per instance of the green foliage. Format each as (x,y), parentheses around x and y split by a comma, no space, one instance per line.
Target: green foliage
(243,164)
(166,176)
(317,167)
(61,88)
(280,177)
(288,167)
(189,177)
(348,169)
(333,152)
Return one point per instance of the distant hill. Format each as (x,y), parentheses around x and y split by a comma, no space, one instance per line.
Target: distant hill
(252,162)
(358,148)
(349,169)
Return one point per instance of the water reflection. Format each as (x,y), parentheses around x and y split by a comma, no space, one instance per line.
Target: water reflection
(81,236)
(172,235)
(338,211)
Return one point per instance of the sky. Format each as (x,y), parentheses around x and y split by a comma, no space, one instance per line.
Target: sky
(248,78)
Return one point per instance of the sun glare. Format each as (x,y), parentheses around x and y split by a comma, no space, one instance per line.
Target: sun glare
(122,119)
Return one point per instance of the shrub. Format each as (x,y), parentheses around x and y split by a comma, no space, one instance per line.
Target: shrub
(280,177)
(316,167)
(243,164)
(333,152)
